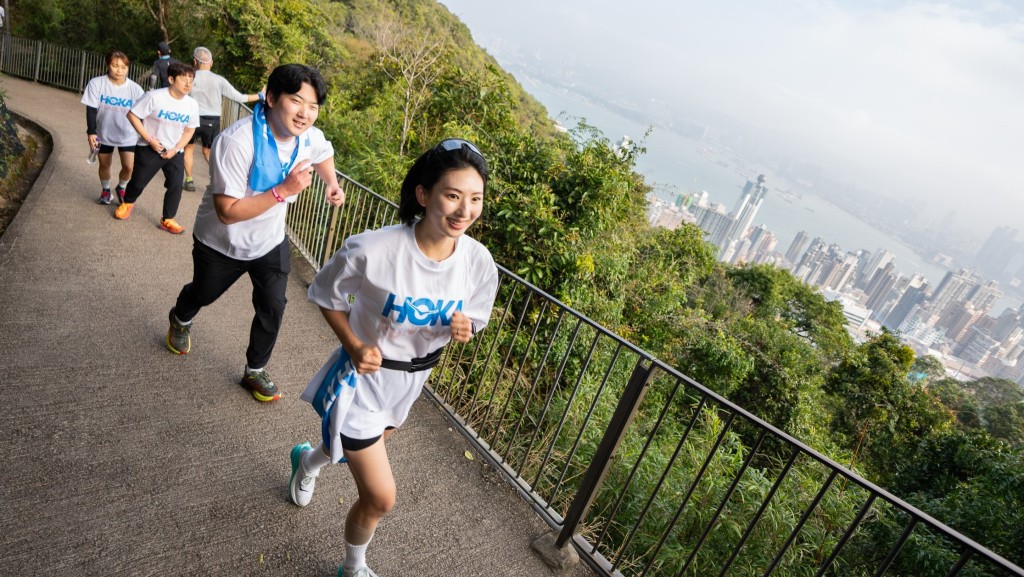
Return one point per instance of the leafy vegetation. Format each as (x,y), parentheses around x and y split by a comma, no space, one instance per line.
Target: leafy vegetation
(566,212)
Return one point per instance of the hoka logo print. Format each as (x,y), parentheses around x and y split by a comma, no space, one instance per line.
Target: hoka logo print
(421,312)
(173,116)
(115,101)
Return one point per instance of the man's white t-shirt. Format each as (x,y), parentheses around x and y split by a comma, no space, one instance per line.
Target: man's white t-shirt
(112,103)
(403,304)
(230,162)
(166,117)
(209,89)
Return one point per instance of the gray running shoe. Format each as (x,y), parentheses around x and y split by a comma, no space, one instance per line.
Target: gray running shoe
(259,384)
(190,185)
(105,196)
(178,341)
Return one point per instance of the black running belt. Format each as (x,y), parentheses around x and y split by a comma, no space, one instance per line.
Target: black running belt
(417,364)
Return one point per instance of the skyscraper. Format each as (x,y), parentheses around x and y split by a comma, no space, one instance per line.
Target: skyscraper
(955,287)
(748,205)
(996,254)
(984,296)
(746,209)
(880,286)
(914,295)
(876,261)
(797,248)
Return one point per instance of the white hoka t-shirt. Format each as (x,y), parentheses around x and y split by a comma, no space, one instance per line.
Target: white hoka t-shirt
(166,117)
(403,304)
(112,103)
(230,162)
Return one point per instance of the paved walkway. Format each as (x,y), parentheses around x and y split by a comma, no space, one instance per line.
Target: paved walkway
(122,459)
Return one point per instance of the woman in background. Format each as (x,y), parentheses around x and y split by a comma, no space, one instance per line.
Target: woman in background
(107,100)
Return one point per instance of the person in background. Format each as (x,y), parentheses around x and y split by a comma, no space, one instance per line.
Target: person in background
(107,100)
(395,297)
(209,89)
(258,166)
(159,78)
(164,119)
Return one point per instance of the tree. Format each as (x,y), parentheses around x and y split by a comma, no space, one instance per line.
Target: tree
(971,481)
(256,37)
(991,391)
(962,404)
(1006,422)
(410,55)
(876,409)
(927,369)
(161,11)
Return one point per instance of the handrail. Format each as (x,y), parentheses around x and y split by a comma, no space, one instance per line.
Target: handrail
(642,469)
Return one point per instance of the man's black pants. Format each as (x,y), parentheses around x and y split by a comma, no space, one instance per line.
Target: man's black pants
(213,273)
(147,164)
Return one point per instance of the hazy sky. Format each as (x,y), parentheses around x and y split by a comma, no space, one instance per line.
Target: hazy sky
(921,100)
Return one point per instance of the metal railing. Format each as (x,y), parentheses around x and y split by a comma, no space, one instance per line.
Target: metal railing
(641,469)
(57,65)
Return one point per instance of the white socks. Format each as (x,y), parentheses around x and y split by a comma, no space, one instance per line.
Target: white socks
(355,555)
(313,460)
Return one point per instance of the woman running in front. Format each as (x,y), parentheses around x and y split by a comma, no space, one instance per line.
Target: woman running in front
(395,297)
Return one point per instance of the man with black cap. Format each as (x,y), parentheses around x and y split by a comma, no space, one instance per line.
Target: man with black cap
(158,79)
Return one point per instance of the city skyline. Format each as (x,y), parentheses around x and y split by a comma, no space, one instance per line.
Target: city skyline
(955,321)
(914,100)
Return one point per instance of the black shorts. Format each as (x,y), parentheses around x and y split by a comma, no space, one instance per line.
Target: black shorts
(108,149)
(350,444)
(209,127)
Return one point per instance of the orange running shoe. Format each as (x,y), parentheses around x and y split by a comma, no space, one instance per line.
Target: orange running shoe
(124,210)
(171,226)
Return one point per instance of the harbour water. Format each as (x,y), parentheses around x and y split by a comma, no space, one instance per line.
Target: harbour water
(678,164)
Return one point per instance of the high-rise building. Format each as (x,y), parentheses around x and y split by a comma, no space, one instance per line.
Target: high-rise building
(995,256)
(876,261)
(797,248)
(879,286)
(746,209)
(810,260)
(713,220)
(976,347)
(914,294)
(762,243)
(955,287)
(1006,323)
(984,296)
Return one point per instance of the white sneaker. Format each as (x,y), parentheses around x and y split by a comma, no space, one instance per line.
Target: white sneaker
(301,485)
(363,571)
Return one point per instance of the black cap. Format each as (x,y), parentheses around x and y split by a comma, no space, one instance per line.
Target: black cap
(163,48)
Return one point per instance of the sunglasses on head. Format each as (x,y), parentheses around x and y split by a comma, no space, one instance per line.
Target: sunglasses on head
(451,144)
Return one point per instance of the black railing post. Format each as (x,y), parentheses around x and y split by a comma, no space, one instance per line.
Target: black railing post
(594,477)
